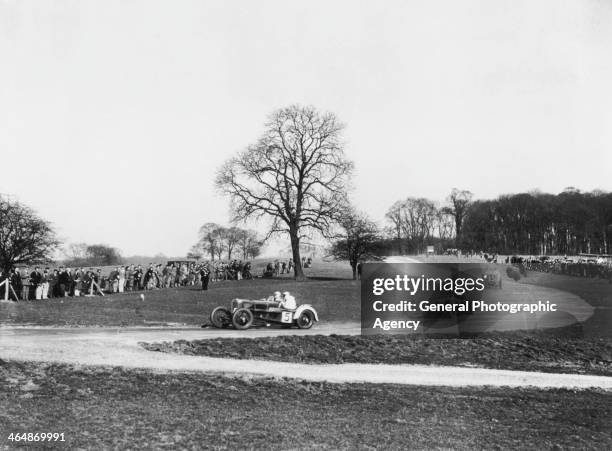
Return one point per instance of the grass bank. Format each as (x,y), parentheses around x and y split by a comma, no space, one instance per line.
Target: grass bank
(116,408)
(554,351)
(335,299)
(597,292)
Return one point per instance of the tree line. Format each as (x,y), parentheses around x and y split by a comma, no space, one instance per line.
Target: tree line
(215,241)
(415,223)
(571,223)
(82,254)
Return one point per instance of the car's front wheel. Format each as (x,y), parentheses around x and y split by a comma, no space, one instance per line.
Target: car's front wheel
(242,319)
(305,320)
(221,317)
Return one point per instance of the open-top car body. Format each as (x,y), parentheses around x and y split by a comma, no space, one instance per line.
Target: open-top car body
(244,313)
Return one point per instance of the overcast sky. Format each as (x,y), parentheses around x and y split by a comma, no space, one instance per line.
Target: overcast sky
(114,115)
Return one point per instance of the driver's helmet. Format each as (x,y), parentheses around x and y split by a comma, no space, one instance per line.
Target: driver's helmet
(277,296)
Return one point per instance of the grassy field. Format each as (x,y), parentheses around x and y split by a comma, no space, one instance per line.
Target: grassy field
(329,289)
(115,408)
(555,351)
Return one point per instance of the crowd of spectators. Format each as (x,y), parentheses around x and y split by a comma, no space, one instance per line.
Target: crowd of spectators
(232,270)
(488,257)
(45,283)
(64,281)
(280,267)
(576,266)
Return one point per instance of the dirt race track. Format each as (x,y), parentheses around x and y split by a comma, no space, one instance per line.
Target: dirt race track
(119,347)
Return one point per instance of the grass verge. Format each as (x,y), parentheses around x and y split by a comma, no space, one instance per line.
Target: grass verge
(334,300)
(554,351)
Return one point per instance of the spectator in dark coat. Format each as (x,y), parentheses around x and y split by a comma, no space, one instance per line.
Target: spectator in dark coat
(17,283)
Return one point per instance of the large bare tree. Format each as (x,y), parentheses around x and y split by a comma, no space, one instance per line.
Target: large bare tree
(296,175)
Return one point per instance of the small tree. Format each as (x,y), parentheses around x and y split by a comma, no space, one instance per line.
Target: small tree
(249,243)
(231,237)
(25,238)
(211,235)
(460,201)
(254,249)
(358,241)
(396,217)
(221,248)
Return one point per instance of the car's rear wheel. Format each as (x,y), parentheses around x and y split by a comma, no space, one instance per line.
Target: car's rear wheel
(305,320)
(221,317)
(242,319)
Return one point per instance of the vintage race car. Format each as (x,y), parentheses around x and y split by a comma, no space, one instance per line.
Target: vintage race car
(243,313)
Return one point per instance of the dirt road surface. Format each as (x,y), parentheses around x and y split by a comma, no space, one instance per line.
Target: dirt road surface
(119,347)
